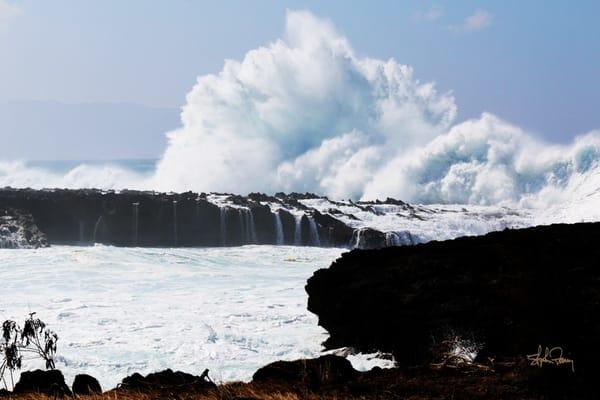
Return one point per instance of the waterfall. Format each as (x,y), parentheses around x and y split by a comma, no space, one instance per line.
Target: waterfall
(278,229)
(247,226)
(96,229)
(174,222)
(243,232)
(403,238)
(298,231)
(356,235)
(314,232)
(135,223)
(391,239)
(252,226)
(223,220)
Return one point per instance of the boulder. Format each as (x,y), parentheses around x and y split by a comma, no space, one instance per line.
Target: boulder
(505,294)
(84,384)
(312,373)
(50,382)
(18,230)
(167,380)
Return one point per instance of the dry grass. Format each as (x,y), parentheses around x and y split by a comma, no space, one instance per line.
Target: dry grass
(234,391)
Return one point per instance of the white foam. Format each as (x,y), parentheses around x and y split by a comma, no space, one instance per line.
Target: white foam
(119,311)
(425,222)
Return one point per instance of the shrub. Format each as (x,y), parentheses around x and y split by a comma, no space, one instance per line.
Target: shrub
(33,341)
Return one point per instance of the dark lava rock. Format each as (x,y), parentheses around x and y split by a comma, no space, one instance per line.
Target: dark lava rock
(510,291)
(149,219)
(51,382)
(312,373)
(167,380)
(84,384)
(19,231)
(367,238)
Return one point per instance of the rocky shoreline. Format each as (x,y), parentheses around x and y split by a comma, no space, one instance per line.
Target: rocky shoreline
(153,219)
(469,318)
(326,377)
(526,297)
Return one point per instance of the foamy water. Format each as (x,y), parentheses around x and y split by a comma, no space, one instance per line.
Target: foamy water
(124,310)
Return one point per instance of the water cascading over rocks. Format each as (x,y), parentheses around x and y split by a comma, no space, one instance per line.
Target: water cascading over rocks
(136,216)
(314,232)
(223,225)
(150,219)
(279,237)
(298,230)
(175,223)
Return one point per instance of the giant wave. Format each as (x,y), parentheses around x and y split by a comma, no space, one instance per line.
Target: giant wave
(305,113)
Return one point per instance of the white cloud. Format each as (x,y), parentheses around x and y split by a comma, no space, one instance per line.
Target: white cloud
(433,14)
(8,12)
(481,19)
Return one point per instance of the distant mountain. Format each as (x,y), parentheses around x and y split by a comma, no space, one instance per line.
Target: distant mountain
(50,130)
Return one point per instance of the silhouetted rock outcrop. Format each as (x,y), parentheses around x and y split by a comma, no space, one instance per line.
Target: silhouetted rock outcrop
(508,291)
(167,380)
(311,373)
(84,384)
(51,383)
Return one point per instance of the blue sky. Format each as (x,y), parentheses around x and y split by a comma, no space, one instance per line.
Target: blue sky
(533,63)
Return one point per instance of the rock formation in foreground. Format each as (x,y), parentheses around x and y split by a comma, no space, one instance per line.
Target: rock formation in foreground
(134,218)
(497,296)
(18,230)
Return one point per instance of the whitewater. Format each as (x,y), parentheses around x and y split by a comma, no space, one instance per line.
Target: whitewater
(118,311)
(302,113)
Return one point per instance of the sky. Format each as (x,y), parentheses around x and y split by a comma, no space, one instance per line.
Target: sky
(533,63)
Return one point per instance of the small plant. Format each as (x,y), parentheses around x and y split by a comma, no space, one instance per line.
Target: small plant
(33,341)
(456,349)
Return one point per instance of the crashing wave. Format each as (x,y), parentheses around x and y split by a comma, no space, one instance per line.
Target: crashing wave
(305,113)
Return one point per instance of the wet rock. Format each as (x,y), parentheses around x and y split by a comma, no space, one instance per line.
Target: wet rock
(18,230)
(152,219)
(312,373)
(367,238)
(51,383)
(84,384)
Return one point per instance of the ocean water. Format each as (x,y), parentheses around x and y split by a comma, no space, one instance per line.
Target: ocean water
(124,310)
(140,166)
